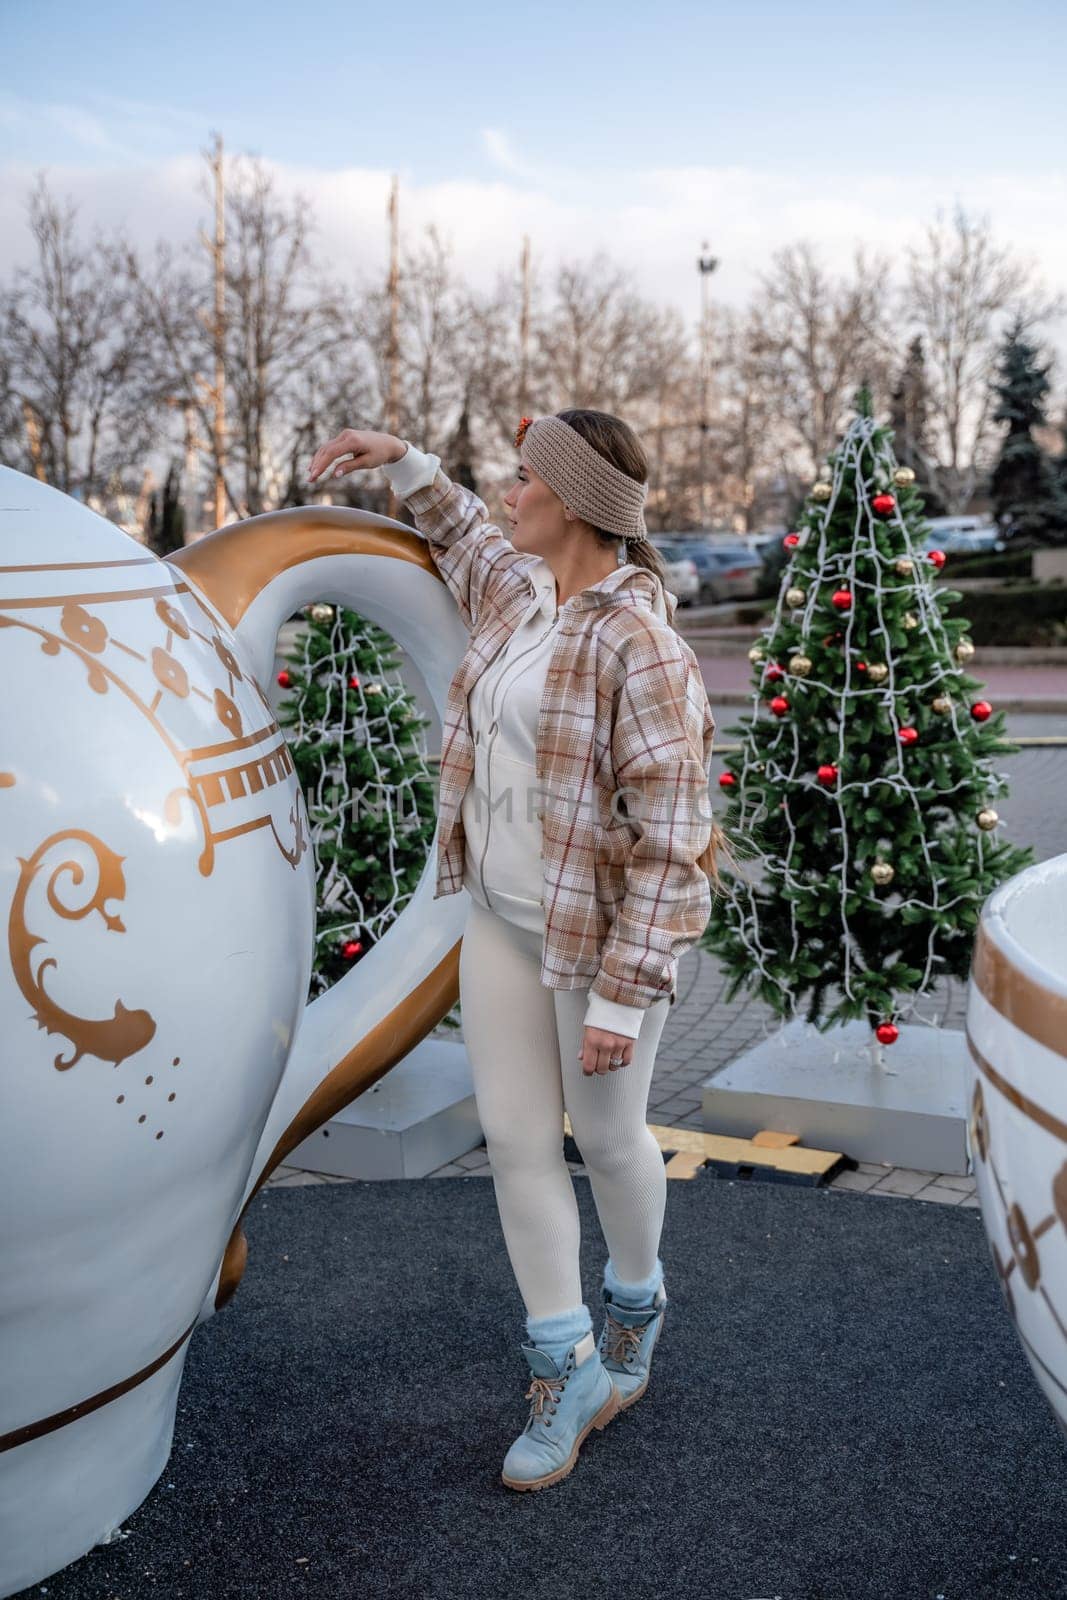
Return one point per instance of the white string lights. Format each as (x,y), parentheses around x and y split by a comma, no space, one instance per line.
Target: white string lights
(373,709)
(770,926)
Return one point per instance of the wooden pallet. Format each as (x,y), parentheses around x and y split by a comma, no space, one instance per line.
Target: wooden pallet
(771,1155)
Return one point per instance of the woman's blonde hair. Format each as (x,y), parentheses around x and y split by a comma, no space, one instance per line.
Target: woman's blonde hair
(619,444)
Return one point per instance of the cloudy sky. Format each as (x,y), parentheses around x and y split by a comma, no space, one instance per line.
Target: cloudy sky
(635,128)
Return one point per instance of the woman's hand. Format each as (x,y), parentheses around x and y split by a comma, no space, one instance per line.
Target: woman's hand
(599,1045)
(355,450)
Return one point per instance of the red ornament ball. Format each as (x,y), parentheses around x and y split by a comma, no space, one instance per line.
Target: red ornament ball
(353,682)
(791,541)
(827,775)
(779,705)
(774,672)
(351,949)
(909,735)
(936,558)
(727,781)
(861,666)
(883,504)
(284,679)
(981,710)
(887,1033)
(841,599)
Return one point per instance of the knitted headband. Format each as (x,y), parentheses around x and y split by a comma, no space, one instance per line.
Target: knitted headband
(585,480)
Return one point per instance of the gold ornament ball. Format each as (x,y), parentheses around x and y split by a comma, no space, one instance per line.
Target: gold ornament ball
(942,705)
(320,612)
(755,654)
(910,620)
(877,671)
(375,688)
(795,597)
(904,567)
(800,666)
(987,819)
(903,477)
(821,492)
(964,650)
(882,873)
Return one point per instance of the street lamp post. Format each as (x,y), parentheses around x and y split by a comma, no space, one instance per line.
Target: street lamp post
(706,265)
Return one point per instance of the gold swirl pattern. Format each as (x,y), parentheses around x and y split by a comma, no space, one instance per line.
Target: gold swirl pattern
(113,1038)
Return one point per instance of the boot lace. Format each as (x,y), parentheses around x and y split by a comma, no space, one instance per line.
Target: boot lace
(543,1391)
(621,1342)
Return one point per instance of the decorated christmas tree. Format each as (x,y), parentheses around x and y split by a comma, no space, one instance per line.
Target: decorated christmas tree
(354,731)
(863,786)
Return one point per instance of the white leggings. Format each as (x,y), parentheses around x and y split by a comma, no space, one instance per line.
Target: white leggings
(523,1041)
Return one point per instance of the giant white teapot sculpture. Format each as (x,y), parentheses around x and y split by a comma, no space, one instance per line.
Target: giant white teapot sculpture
(159,896)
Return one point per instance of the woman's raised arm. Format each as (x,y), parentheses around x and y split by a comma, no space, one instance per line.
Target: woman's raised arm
(473,556)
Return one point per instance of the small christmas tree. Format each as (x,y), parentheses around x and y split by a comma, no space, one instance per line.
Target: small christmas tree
(864,778)
(353,729)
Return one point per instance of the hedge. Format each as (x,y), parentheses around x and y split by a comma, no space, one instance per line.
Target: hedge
(1016,614)
(1012,613)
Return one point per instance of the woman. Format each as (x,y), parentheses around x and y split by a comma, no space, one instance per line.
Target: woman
(581,712)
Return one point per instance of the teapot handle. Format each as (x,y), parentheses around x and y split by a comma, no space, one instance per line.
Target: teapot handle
(256,574)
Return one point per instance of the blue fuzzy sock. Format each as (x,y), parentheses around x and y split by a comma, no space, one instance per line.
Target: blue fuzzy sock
(632,1295)
(557,1333)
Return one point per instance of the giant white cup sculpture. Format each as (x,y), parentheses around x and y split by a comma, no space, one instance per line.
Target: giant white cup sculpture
(1017,1127)
(159,896)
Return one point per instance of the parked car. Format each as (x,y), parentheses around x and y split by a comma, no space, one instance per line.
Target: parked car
(726,571)
(963,533)
(759,542)
(683,578)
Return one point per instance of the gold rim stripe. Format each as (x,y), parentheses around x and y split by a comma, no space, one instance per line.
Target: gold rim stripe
(1033,1009)
(61,1419)
(1020,1101)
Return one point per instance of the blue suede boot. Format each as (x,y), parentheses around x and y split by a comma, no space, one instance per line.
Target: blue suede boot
(569,1394)
(634,1317)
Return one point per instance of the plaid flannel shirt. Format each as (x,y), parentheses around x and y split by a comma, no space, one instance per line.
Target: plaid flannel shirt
(624,742)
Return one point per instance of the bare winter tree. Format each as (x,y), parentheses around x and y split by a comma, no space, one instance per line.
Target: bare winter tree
(593,341)
(818,338)
(174,295)
(961,290)
(79,407)
(435,329)
(497,358)
(750,444)
(436,316)
(14,443)
(283,323)
(602,344)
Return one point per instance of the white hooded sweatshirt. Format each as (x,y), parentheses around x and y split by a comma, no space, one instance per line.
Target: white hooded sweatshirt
(500,812)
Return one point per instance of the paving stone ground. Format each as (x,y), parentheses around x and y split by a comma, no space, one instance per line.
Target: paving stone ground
(705,1031)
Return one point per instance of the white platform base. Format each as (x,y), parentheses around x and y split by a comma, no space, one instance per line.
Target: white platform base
(911,1111)
(420,1115)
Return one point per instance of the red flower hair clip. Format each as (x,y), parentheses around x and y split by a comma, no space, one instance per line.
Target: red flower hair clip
(520,431)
